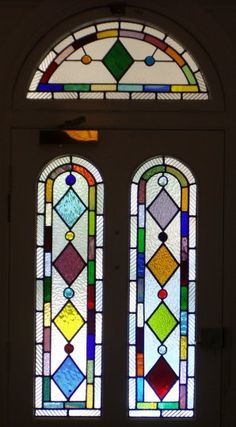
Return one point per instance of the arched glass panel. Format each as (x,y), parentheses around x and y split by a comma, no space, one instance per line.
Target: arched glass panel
(162,290)
(118,60)
(69,289)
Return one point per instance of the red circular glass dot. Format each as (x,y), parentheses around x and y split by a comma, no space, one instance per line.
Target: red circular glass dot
(69,348)
(162,294)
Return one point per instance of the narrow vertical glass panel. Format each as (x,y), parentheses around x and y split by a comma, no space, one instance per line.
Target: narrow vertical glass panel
(69,253)
(118,59)
(162,296)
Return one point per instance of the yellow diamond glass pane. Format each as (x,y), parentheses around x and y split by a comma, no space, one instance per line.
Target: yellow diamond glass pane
(69,321)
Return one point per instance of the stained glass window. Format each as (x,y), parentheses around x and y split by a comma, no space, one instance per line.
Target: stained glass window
(118,60)
(69,289)
(162,290)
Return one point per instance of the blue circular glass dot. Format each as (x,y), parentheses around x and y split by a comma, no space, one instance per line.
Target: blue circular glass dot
(70,179)
(149,60)
(68,293)
(162,349)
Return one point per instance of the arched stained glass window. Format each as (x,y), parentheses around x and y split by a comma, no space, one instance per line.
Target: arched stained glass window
(162,290)
(118,60)
(69,289)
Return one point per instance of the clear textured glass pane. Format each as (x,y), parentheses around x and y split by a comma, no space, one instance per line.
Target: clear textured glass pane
(161,326)
(69,323)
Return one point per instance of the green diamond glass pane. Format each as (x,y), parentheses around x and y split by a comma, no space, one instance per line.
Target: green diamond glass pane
(118,60)
(162,322)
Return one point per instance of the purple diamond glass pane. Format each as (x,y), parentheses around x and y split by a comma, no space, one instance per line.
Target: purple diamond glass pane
(70,208)
(68,377)
(69,264)
(163,209)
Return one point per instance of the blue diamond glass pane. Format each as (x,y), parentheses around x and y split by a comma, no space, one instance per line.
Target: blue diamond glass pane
(68,377)
(70,208)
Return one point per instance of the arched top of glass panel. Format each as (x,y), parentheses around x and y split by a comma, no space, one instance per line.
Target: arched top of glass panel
(118,60)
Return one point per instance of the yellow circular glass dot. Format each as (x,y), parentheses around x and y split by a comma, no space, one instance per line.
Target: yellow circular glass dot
(86,59)
(70,235)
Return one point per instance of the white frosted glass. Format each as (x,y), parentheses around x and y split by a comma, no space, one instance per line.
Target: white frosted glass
(152,188)
(132,297)
(192,199)
(56,394)
(142,95)
(133,253)
(98,328)
(192,264)
(77,72)
(58,299)
(80,349)
(158,73)
(183,372)
(195,96)
(132,328)
(174,44)
(99,230)
(79,394)
(154,32)
(53,165)
(39,95)
(151,344)
(35,81)
(39,295)
(190,394)
(99,295)
(48,214)
(58,343)
(39,263)
(151,289)
(80,241)
(65,95)
(91,95)
(140,315)
(41,188)
(133,236)
(173,394)
(131,26)
(39,359)
(173,233)
(152,232)
(192,297)
(147,165)
(173,289)
(191,360)
(172,96)
(97,393)
(172,355)
(149,394)
(132,392)
(84,412)
(100,198)
(84,32)
(80,296)
(144,413)
(51,413)
(141,216)
(134,193)
(173,188)
(47,61)
(38,392)
(192,232)
(39,327)
(138,49)
(178,165)
(99,264)
(132,364)
(177,414)
(201,81)
(98,360)
(40,230)
(47,267)
(66,42)
(98,49)
(162,56)
(116,95)
(107,26)
(191,328)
